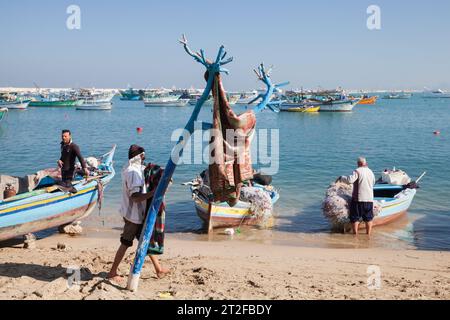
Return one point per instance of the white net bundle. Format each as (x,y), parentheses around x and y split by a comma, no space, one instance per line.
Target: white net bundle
(336,206)
(260,203)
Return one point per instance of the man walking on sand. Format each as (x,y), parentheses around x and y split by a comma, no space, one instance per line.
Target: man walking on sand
(361,206)
(133,209)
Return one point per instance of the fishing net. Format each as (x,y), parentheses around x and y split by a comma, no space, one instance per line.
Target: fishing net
(336,206)
(260,203)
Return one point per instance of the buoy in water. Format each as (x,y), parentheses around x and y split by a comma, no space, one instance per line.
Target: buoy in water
(139,130)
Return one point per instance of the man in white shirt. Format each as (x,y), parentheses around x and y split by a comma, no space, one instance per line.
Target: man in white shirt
(132,209)
(361,206)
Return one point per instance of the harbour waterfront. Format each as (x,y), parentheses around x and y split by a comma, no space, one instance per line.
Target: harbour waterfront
(314,149)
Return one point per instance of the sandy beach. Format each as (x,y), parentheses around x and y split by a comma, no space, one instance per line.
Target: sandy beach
(219,270)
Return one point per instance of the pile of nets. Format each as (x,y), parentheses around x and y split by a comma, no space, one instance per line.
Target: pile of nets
(260,203)
(336,206)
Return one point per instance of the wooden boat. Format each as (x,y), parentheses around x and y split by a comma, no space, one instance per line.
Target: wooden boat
(13,105)
(54,103)
(368,100)
(3,112)
(299,108)
(344,105)
(222,215)
(40,209)
(394,200)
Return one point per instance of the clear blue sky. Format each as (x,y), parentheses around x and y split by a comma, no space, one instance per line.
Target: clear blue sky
(310,43)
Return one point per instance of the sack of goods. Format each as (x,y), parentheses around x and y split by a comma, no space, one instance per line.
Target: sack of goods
(336,206)
(395,177)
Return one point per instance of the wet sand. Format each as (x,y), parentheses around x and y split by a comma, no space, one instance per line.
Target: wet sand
(221,269)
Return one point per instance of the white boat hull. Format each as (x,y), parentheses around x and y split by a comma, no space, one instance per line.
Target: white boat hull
(95,106)
(176,103)
(338,107)
(15,105)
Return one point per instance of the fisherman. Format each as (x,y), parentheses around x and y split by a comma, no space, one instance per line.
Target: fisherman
(138,187)
(70,151)
(361,206)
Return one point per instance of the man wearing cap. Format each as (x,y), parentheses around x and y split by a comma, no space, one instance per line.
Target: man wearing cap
(133,207)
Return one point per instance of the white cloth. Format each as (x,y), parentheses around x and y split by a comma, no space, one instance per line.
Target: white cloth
(133,181)
(365,180)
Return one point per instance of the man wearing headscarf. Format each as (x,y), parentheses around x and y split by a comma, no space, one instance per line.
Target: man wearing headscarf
(133,208)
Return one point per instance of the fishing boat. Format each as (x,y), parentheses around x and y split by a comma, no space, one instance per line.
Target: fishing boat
(12,101)
(3,112)
(436,94)
(221,215)
(344,105)
(95,100)
(391,200)
(164,99)
(12,105)
(131,94)
(49,206)
(54,102)
(246,97)
(365,100)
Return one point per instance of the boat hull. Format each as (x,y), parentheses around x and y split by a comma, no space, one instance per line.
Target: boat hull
(181,103)
(223,216)
(368,101)
(95,106)
(391,210)
(22,105)
(292,108)
(338,106)
(66,103)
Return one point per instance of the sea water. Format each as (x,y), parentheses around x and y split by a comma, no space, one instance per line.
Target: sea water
(314,149)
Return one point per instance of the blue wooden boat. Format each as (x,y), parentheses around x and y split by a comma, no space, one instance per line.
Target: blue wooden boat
(40,209)
(221,215)
(394,201)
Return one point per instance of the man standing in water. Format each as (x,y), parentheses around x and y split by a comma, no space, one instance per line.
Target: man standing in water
(69,151)
(133,208)
(361,206)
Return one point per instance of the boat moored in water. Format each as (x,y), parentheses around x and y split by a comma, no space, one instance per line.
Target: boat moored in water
(49,206)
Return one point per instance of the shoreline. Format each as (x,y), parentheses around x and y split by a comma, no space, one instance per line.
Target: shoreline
(219,269)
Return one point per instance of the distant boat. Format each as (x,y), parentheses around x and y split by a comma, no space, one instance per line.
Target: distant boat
(365,100)
(401,95)
(95,100)
(246,97)
(164,99)
(47,206)
(131,94)
(3,112)
(12,101)
(436,94)
(344,105)
(21,105)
